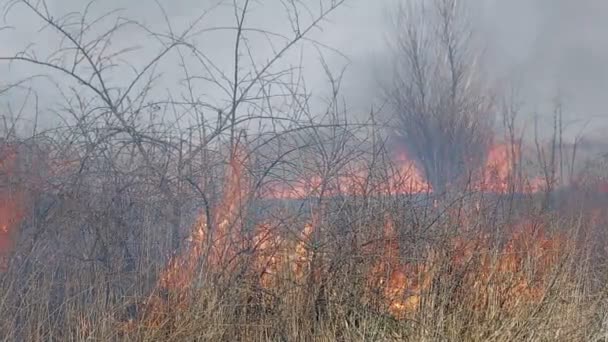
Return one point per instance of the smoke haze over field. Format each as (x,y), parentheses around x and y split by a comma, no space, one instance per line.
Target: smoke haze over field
(542,47)
(551,48)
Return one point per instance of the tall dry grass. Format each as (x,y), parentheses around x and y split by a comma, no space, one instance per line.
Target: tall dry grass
(466,300)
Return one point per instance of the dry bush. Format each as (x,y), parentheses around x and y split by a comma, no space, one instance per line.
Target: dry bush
(443,110)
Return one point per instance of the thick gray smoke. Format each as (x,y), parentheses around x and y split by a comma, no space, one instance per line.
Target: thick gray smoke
(544,48)
(553,48)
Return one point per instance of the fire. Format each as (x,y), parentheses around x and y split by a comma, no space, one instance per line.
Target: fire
(221,247)
(406,178)
(400,284)
(499,172)
(279,259)
(498,175)
(506,277)
(12,204)
(218,244)
(215,245)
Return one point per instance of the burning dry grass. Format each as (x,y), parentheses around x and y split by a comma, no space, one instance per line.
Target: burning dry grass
(457,289)
(517,273)
(311,287)
(268,284)
(373,269)
(12,204)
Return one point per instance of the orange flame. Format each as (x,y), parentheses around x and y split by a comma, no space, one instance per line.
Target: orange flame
(499,174)
(217,245)
(218,242)
(406,178)
(12,205)
(402,284)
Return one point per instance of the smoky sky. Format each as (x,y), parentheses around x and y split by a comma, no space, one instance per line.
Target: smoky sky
(543,48)
(552,48)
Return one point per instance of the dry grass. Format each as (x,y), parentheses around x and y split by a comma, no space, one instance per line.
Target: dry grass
(468,296)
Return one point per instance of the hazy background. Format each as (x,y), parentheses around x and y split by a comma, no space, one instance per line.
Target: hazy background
(541,47)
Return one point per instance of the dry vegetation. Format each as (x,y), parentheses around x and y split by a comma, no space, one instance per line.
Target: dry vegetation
(149,217)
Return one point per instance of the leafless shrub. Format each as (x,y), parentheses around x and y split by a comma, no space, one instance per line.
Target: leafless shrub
(442,111)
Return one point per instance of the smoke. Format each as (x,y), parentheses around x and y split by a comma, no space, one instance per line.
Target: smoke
(543,48)
(552,49)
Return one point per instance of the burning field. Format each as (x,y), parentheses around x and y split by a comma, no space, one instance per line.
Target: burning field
(388,253)
(393,269)
(208,180)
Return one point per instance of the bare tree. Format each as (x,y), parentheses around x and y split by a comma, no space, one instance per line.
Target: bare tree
(443,115)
